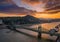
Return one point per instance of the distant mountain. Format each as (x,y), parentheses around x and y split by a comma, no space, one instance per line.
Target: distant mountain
(30,19)
(21,20)
(54,20)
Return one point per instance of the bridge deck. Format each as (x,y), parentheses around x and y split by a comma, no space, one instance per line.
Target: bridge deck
(20,36)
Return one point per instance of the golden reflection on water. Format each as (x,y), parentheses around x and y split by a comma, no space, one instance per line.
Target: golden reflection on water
(46,26)
(49,26)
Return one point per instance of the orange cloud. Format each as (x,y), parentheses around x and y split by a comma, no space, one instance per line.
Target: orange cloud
(53,5)
(32,2)
(11,15)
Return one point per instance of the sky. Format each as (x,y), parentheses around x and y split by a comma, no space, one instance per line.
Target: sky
(49,8)
(38,5)
(34,5)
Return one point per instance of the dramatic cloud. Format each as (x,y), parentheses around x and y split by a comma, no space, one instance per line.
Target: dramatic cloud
(6,7)
(2,0)
(39,5)
(35,5)
(53,5)
(32,2)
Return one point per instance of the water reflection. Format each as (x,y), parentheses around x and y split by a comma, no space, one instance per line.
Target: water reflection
(46,26)
(49,26)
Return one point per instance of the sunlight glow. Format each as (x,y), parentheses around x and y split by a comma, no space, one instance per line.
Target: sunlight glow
(46,16)
(11,15)
(57,15)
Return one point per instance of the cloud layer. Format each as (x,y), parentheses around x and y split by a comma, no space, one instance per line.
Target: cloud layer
(40,5)
(53,5)
(6,7)
(35,5)
(32,2)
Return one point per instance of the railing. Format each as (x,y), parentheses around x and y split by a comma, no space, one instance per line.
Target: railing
(42,31)
(39,31)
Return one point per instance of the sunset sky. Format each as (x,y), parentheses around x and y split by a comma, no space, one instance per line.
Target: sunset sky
(49,8)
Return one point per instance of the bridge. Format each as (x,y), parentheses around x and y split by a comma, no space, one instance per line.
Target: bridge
(39,31)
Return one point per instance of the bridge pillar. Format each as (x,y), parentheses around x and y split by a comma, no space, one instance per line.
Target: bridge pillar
(39,32)
(58,39)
